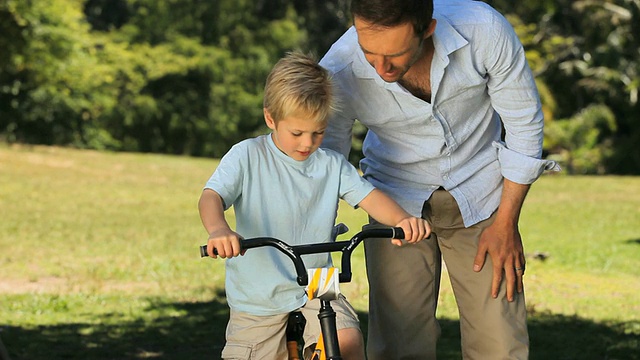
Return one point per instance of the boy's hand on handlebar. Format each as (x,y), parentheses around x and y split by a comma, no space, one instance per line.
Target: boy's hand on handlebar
(226,242)
(415,229)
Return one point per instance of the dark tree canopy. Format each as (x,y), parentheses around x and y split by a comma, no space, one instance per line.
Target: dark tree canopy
(186,76)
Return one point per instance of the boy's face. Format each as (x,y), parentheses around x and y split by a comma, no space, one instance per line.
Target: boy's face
(296,135)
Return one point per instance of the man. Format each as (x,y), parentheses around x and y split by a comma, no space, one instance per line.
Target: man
(436,88)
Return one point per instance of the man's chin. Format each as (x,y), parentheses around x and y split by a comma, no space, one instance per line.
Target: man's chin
(390,79)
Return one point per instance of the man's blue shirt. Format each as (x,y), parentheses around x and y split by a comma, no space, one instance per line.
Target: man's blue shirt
(479,76)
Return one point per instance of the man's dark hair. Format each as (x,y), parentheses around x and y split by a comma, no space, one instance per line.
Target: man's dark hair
(388,13)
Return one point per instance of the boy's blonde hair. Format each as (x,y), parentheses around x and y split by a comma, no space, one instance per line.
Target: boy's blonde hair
(298,84)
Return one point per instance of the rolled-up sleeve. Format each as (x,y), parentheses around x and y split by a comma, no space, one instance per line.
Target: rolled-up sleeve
(519,168)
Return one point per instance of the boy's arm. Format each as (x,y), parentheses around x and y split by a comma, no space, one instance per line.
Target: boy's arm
(388,212)
(221,237)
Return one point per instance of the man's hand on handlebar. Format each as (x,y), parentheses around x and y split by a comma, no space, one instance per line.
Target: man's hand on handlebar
(225,242)
(415,230)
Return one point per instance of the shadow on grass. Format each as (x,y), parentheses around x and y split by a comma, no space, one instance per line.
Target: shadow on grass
(200,335)
(633,241)
(197,335)
(558,337)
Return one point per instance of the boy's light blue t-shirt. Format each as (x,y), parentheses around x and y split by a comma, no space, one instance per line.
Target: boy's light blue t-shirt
(276,196)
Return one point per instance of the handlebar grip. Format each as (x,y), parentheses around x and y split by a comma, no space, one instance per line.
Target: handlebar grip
(398,233)
(203,251)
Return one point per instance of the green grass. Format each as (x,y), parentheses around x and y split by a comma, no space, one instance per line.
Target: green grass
(99,260)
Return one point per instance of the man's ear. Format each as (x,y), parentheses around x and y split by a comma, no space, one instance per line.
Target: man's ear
(430,29)
(268,119)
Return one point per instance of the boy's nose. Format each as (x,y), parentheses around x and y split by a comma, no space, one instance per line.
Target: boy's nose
(307,141)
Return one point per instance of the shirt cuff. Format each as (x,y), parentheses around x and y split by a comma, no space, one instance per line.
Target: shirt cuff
(519,168)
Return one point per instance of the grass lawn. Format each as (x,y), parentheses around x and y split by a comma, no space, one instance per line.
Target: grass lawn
(99,260)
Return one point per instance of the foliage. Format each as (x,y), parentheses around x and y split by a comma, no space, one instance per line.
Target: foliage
(186,76)
(46,94)
(586,53)
(152,76)
(583,142)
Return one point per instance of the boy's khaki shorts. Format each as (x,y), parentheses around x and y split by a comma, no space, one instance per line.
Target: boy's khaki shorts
(264,337)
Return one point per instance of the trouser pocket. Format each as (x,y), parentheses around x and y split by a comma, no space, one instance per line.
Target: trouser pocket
(236,352)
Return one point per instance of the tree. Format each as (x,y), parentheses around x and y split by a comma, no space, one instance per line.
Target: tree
(607,70)
(186,76)
(50,88)
(586,53)
(174,76)
(583,142)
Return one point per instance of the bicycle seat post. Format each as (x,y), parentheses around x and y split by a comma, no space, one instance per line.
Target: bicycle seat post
(327,317)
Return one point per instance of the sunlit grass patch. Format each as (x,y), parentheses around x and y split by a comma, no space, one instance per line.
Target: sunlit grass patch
(99,260)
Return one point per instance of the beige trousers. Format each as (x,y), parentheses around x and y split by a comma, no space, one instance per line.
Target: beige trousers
(252,337)
(404,284)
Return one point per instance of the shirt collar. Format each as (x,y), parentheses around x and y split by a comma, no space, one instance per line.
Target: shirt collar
(301,164)
(446,39)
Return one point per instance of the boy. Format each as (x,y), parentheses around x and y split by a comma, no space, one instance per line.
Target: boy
(283,186)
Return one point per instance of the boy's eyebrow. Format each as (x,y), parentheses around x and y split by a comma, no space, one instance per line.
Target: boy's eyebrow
(324,128)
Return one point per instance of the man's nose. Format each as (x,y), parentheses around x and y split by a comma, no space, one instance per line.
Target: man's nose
(381,65)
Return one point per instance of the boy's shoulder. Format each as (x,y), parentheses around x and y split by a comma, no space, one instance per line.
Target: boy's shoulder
(258,141)
(331,155)
(244,153)
(250,145)
(339,165)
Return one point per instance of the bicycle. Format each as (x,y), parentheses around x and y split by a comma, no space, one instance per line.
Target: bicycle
(325,281)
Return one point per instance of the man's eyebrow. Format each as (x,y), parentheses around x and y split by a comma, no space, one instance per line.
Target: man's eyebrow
(390,55)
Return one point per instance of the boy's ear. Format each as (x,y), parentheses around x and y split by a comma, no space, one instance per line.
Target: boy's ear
(268,119)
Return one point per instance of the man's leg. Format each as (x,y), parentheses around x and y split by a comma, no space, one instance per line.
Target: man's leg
(403,290)
(491,328)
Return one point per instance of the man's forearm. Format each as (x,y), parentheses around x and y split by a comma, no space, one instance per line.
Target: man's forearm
(513,195)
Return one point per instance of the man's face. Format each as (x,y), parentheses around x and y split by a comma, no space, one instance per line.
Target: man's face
(390,50)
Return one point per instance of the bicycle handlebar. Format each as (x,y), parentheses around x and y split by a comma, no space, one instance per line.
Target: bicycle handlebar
(294,252)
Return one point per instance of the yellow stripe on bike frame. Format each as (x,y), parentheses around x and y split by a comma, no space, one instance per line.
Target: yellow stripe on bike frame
(319,353)
(313,284)
(329,276)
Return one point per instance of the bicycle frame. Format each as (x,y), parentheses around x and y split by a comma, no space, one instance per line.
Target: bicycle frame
(326,315)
